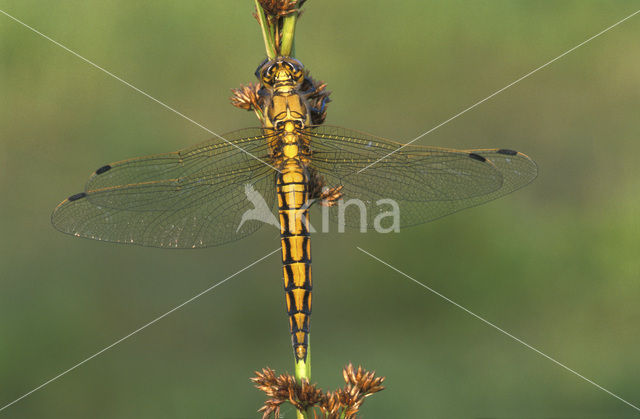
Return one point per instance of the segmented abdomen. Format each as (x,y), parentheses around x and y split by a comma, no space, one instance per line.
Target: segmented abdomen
(293,195)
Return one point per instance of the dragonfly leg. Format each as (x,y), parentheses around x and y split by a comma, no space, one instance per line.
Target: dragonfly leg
(308,87)
(317,99)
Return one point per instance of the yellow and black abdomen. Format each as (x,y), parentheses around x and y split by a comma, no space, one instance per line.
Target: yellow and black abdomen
(293,196)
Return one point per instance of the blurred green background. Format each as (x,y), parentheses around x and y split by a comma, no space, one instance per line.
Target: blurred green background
(555,264)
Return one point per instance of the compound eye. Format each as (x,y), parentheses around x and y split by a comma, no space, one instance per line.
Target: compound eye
(258,72)
(268,74)
(296,62)
(297,70)
(294,69)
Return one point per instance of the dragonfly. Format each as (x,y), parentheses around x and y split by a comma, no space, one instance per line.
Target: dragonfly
(200,196)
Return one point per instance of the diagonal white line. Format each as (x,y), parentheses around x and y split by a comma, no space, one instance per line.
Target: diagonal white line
(135,88)
(499,329)
(138,330)
(500,91)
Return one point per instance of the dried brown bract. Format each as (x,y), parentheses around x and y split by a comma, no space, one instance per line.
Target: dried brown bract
(360,384)
(280,7)
(307,397)
(285,388)
(365,381)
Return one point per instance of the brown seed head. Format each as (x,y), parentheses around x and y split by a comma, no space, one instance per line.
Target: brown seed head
(246,97)
(343,403)
(278,8)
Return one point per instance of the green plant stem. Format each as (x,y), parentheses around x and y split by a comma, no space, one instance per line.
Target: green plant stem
(286,48)
(301,415)
(288,34)
(267,32)
(303,370)
(259,114)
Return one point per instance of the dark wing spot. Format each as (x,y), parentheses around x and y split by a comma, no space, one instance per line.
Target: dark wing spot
(103,169)
(507,152)
(477,157)
(76,196)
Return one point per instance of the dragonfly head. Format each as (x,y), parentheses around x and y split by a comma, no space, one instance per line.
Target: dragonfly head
(282,72)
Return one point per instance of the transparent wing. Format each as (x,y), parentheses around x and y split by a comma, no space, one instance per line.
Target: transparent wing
(191,198)
(426,182)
